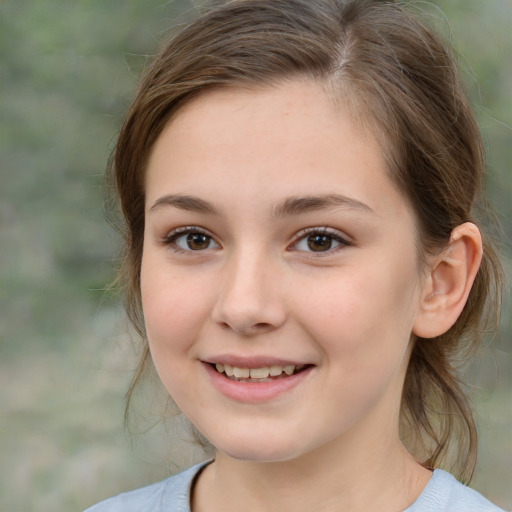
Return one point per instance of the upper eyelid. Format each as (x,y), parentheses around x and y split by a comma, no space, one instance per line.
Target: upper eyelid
(175,233)
(183,230)
(335,233)
(343,240)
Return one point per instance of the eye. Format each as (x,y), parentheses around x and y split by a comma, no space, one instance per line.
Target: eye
(320,241)
(190,239)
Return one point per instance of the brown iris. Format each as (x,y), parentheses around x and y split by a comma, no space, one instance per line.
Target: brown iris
(319,243)
(198,241)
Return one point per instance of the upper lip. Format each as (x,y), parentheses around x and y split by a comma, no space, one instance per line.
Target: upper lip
(251,361)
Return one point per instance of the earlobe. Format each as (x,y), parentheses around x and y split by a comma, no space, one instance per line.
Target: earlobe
(447,286)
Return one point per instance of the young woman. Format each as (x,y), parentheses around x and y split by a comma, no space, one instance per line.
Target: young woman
(302,261)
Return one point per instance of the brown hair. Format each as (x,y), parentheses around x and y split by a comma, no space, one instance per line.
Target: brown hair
(402,81)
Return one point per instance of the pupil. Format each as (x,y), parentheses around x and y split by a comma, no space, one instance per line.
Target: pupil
(319,243)
(196,241)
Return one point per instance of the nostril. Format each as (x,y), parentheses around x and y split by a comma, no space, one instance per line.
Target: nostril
(261,325)
(247,330)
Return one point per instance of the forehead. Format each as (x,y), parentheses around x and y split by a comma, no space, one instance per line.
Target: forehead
(289,139)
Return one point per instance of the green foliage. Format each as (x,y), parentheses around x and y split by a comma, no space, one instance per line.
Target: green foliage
(68,70)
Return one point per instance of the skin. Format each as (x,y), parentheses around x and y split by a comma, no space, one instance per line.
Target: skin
(256,289)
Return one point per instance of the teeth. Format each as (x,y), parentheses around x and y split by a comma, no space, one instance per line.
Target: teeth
(259,373)
(275,371)
(241,373)
(255,373)
(289,369)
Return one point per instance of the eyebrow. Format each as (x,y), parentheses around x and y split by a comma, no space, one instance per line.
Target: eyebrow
(288,207)
(298,205)
(188,203)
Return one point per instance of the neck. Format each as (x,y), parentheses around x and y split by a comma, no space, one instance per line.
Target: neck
(341,475)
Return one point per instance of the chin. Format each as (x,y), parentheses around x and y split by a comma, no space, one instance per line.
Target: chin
(258,455)
(256,448)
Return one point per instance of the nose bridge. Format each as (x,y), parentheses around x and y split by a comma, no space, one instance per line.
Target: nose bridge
(248,301)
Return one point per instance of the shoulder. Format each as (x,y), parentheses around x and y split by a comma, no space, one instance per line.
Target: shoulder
(172,494)
(446,494)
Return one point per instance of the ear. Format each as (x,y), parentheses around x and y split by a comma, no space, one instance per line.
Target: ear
(446,287)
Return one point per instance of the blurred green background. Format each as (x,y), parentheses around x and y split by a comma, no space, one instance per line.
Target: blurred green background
(67,73)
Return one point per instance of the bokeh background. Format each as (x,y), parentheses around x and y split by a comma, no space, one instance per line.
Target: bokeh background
(67,73)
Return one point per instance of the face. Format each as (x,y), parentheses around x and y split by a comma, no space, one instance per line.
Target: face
(279,275)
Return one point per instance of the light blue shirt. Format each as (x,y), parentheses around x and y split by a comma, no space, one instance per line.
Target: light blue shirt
(443,493)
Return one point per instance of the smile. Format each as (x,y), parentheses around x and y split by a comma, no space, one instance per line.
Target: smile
(254,382)
(263,374)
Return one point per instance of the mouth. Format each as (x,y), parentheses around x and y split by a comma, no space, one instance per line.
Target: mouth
(262,374)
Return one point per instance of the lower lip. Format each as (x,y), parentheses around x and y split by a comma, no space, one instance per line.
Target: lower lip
(253,392)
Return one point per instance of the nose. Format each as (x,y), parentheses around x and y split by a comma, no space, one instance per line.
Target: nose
(250,299)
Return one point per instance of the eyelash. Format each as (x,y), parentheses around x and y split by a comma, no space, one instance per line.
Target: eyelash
(329,233)
(171,239)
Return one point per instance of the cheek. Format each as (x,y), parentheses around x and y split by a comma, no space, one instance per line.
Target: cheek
(171,308)
(361,317)
(363,329)
(171,319)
